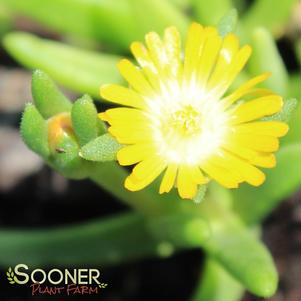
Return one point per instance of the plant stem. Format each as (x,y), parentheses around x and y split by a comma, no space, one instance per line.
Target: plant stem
(110,177)
(107,241)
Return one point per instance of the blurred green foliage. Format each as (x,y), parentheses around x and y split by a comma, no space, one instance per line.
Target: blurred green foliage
(222,224)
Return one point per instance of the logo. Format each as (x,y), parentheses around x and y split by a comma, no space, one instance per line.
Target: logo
(79,281)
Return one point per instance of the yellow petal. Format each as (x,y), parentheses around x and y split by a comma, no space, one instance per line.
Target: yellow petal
(135,77)
(147,172)
(186,186)
(264,160)
(226,54)
(269,128)
(197,175)
(257,142)
(244,89)
(156,50)
(150,165)
(103,116)
(257,108)
(221,175)
(208,58)
(143,58)
(169,178)
(249,173)
(126,135)
(194,44)
(260,159)
(122,95)
(124,115)
(172,43)
(133,154)
(234,69)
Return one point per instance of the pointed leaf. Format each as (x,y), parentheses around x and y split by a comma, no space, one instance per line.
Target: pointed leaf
(266,58)
(160,14)
(200,194)
(183,4)
(86,124)
(271,14)
(80,70)
(64,148)
(228,22)
(210,12)
(97,19)
(245,257)
(47,97)
(182,229)
(126,238)
(101,149)
(34,131)
(288,109)
(217,285)
(254,203)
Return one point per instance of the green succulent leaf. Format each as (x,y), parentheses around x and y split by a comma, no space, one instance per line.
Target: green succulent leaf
(47,97)
(271,14)
(228,22)
(34,131)
(80,70)
(211,12)
(182,4)
(245,257)
(265,58)
(254,203)
(181,229)
(160,14)
(86,124)
(101,149)
(65,159)
(126,238)
(96,20)
(217,285)
(288,109)
(238,250)
(200,195)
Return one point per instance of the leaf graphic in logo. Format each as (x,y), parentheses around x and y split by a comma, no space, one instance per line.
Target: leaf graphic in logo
(10,276)
(103,285)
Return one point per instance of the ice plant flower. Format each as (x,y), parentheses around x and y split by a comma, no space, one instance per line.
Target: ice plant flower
(180,121)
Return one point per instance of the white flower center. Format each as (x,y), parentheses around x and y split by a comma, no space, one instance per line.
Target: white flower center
(188,125)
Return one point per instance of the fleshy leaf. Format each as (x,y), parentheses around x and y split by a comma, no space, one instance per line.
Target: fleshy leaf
(183,4)
(289,106)
(266,57)
(47,97)
(34,131)
(101,149)
(217,285)
(210,12)
(245,257)
(254,203)
(228,23)
(160,14)
(80,70)
(200,194)
(97,20)
(64,148)
(271,14)
(85,122)
(126,238)
(182,229)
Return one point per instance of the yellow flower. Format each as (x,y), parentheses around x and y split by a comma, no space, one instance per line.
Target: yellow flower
(178,120)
